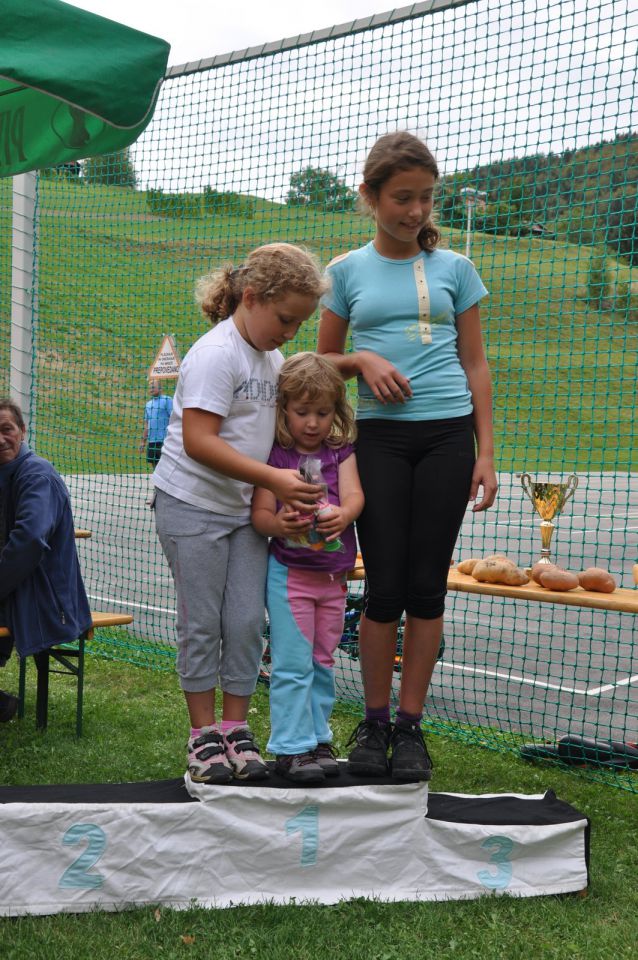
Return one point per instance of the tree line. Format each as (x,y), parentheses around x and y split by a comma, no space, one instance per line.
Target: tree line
(586,196)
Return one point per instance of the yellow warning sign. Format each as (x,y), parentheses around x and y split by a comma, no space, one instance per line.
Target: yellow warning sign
(166,363)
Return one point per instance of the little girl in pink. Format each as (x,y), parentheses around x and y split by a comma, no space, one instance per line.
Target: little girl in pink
(306,586)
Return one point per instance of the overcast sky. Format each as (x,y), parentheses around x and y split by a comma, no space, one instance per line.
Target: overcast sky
(481,82)
(197,29)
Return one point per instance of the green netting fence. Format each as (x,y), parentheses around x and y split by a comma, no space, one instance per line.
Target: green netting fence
(529,110)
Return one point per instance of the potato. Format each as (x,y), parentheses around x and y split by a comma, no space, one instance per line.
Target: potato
(539,568)
(499,571)
(595,578)
(558,579)
(466,566)
(500,556)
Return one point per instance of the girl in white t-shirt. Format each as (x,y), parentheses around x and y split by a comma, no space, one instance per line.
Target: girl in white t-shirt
(219,438)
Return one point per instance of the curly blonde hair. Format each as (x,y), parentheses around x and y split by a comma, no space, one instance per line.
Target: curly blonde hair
(272,271)
(312,377)
(391,154)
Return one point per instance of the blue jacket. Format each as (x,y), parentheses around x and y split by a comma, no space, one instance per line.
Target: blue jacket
(41,586)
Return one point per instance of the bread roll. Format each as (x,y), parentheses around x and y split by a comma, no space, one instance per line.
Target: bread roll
(499,571)
(539,568)
(597,579)
(558,579)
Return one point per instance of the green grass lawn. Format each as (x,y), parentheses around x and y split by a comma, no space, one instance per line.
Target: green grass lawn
(113,279)
(135,730)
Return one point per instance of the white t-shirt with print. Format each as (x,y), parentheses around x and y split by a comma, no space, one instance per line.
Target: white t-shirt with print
(221,374)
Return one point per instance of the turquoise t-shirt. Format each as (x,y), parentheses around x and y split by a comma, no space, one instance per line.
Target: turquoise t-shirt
(405,310)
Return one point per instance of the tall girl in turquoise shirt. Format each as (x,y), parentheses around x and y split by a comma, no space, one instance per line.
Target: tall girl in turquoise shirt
(425,442)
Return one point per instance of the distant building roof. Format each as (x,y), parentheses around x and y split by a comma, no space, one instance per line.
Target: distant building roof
(536,229)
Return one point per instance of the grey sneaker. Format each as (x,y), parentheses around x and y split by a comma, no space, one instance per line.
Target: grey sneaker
(243,755)
(207,762)
(299,767)
(370,755)
(326,757)
(410,759)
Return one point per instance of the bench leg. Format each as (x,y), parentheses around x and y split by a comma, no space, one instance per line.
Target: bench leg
(42,693)
(46,663)
(22,683)
(80,692)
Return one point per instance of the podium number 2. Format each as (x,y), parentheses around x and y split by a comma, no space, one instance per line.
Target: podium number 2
(500,848)
(306,822)
(77,875)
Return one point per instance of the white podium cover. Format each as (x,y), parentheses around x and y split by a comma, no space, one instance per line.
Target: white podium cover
(111,846)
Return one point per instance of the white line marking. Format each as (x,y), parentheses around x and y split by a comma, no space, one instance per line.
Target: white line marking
(474,621)
(612,686)
(593,692)
(131,603)
(512,677)
(503,522)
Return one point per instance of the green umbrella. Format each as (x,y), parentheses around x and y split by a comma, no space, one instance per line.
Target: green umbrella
(72,84)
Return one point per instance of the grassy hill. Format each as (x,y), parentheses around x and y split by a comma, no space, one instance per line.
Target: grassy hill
(114,278)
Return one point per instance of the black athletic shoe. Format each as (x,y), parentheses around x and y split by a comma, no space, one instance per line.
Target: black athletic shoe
(8,706)
(370,756)
(410,759)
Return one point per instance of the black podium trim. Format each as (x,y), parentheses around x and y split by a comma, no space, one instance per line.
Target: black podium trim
(500,809)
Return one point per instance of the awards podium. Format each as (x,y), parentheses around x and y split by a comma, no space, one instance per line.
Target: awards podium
(178,844)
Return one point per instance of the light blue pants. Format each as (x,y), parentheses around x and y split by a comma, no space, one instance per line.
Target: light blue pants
(306,610)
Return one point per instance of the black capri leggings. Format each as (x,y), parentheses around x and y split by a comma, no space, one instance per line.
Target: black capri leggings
(416,478)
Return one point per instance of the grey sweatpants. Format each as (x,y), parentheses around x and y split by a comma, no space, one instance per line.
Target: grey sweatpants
(219,568)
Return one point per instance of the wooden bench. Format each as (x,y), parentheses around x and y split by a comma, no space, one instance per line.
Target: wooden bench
(622,600)
(68,660)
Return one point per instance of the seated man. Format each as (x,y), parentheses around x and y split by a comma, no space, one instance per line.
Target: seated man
(42,596)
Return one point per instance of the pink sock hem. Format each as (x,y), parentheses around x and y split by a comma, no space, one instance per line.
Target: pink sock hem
(227,726)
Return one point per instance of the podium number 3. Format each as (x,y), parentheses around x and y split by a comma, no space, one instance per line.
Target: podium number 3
(500,847)
(306,822)
(77,875)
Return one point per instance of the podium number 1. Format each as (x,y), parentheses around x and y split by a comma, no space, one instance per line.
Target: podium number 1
(306,822)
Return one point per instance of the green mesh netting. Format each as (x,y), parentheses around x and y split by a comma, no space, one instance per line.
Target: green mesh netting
(529,108)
